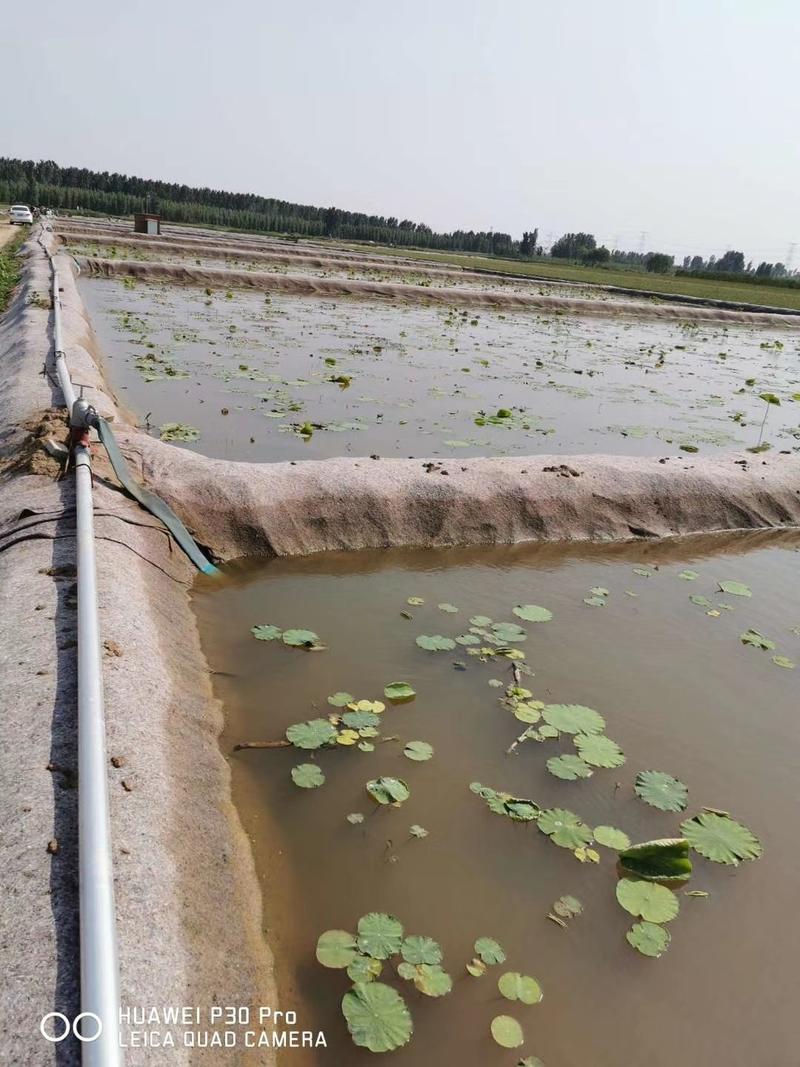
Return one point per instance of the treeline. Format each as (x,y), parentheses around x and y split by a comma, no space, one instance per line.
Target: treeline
(732,262)
(78,189)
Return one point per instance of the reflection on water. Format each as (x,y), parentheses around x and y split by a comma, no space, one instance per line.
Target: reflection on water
(679,692)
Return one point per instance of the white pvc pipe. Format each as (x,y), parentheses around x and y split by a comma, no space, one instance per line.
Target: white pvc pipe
(98,932)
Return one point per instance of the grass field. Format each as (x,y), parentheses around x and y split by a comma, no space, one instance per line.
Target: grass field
(704,288)
(9,264)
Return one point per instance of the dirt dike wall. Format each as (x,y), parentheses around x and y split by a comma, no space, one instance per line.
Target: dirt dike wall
(188,900)
(335,288)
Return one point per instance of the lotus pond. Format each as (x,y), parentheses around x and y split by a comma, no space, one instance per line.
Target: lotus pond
(240,375)
(471,741)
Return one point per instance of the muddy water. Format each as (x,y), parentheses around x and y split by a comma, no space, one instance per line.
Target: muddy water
(420,377)
(679,692)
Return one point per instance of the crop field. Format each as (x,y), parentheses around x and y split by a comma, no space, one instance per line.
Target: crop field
(277,376)
(514,794)
(447,760)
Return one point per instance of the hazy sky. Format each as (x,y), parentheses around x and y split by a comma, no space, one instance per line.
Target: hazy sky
(679,118)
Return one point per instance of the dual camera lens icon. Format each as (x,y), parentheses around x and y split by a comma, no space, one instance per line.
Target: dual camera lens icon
(55,1026)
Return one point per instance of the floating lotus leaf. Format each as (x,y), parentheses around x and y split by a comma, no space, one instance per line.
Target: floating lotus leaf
(355,817)
(595,601)
(347,737)
(644,572)
(735,588)
(611,838)
(364,969)
(178,431)
(436,643)
(489,951)
(432,981)
(417,949)
(649,939)
(564,828)
(569,767)
(783,661)
(660,790)
(663,860)
(449,608)
(476,968)
(689,576)
(599,590)
(507,1032)
(530,1061)
(516,986)
(567,907)
(336,948)
(301,638)
(586,855)
(379,935)
(415,601)
(340,700)
(520,810)
(757,640)
(701,601)
(399,692)
(266,633)
(359,720)
(407,971)
(377,1017)
(654,903)
(720,838)
(366,746)
(417,831)
(508,633)
(548,731)
(418,750)
(375,706)
(469,639)
(599,750)
(307,776)
(480,620)
(388,790)
(532,613)
(529,712)
(312,734)
(574,718)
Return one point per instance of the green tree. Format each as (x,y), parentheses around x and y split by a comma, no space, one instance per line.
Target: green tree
(659,263)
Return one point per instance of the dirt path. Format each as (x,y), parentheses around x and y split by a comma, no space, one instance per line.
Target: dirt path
(7,232)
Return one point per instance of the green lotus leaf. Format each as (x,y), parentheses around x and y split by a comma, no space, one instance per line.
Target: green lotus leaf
(516,986)
(388,790)
(420,751)
(360,720)
(336,948)
(178,431)
(417,831)
(645,572)
(720,838)
(569,767)
(660,790)
(417,949)
(507,1032)
(654,903)
(399,692)
(379,935)
(701,601)
(521,810)
(757,640)
(783,661)
(415,601)
(339,700)
(528,712)
(432,981)
(480,620)
(469,639)
(532,613)
(567,907)
(649,939)
(355,817)
(565,828)
(508,633)
(599,590)
(377,1017)
(662,860)
(307,776)
(530,1061)
(689,576)
(301,638)
(407,971)
(436,643)
(735,588)
(489,951)
(476,968)
(266,633)
(364,969)
(599,750)
(449,608)
(312,734)
(611,838)
(595,601)
(573,719)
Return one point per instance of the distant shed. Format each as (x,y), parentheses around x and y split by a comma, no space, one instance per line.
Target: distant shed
(143,223)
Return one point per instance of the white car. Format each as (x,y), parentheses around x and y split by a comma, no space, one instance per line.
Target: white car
(20,213)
